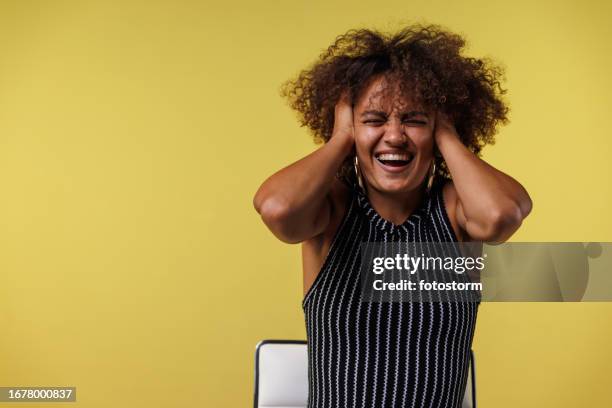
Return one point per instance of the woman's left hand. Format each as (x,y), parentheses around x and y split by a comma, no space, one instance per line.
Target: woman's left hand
(443,127)
(489,204)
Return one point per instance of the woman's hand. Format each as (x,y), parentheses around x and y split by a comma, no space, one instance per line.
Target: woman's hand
(444,127)
(343,118)
(488,205)
(296,201)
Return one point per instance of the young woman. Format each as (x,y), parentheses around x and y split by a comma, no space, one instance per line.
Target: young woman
(403,118)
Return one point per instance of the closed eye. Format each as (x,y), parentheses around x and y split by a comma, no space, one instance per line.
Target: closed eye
(420,122)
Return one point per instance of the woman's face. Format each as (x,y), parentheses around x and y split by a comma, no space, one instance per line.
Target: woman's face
(393,139)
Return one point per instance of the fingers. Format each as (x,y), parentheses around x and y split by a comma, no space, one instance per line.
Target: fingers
(343,116)
(444,126)
(443,118)
(344,97)
(442,121)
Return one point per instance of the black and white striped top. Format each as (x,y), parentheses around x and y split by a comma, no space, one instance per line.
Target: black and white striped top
(398,354)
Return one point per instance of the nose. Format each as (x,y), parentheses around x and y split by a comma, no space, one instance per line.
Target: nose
(395,134)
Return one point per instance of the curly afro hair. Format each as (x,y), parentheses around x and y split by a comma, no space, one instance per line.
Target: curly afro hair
(424,61)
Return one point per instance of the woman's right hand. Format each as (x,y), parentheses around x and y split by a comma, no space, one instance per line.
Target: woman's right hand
(296,201)
(343,118)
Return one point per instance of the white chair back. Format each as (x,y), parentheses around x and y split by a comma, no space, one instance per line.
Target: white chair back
(281,375)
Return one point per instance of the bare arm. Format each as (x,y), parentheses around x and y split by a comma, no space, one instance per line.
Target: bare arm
(489,205)
(295,202)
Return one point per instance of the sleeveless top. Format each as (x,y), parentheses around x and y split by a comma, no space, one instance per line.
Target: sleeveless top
(398,354)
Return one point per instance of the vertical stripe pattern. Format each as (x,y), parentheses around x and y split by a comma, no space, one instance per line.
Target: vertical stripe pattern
(389,354)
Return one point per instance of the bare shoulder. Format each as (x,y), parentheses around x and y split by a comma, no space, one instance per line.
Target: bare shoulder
(315,249)
(452,207)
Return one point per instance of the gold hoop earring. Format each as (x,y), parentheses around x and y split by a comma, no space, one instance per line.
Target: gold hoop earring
(432,175)
(358,173)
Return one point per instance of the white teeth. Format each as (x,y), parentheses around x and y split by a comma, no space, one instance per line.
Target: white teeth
(394,156)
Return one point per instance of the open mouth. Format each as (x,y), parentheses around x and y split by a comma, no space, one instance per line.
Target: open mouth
(396,160)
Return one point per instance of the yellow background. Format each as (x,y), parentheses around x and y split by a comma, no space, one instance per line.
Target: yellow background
(133,136)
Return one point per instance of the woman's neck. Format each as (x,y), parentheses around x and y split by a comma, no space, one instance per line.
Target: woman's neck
(395,207)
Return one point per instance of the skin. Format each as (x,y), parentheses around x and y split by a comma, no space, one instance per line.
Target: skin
(384,125)
(304,202)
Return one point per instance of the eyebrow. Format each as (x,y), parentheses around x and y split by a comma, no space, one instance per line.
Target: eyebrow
(404,114)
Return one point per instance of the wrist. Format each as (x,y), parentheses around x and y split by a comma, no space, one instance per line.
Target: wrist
(343,141)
